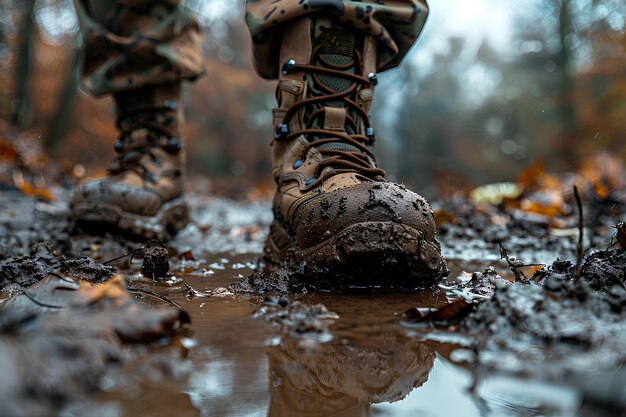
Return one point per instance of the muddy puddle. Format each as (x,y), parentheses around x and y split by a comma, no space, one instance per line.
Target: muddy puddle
(363,360)
(313,353)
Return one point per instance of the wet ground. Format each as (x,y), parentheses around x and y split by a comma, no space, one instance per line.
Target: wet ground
(343,354)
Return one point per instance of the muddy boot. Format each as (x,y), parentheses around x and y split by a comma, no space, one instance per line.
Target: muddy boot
(334,211)
(142,194)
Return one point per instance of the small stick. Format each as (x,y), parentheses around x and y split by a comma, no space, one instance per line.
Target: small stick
(581,231)
(131,254)
(504,254)
(155,295)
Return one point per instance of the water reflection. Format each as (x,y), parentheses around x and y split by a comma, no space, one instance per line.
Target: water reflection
(344,378)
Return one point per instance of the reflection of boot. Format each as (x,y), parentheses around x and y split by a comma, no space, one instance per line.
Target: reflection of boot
(333,207)
(143,192)
(344,379)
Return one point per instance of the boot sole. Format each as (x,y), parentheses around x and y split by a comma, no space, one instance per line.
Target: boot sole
(370,255)
(103,217)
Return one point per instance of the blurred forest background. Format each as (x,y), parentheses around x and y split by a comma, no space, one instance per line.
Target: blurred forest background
(490,87)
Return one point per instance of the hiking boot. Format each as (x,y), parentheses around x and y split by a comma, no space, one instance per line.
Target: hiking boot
(142,195)
(334,211)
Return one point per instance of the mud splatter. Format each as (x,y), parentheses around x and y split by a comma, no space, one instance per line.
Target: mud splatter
(279,281)
(297,319)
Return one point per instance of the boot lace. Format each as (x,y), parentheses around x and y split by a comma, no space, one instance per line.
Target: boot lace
(131,153)
(357,158)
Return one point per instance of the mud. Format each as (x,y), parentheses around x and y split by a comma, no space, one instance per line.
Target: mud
(602,270)
(25,222)
(473,285)
(279,281)
(156,260)
(303,350)
(23,271)
(549,331)
(61,337)
(473,233)
(297,319)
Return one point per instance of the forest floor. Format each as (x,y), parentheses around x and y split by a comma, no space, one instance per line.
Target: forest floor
(530,321)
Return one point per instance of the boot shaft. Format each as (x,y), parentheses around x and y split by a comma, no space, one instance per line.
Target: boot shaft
(150,118)
(326,66)
(157,105)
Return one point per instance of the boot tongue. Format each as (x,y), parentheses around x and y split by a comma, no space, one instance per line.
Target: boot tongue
(127,105)
(336,47)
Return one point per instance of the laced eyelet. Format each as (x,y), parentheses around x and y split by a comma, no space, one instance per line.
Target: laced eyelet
(288,66)
(150,176)
(369,132)
(281,131)
(118,146)
(373,78)
(173,145)
(170,104)
(298,164)
(311,180)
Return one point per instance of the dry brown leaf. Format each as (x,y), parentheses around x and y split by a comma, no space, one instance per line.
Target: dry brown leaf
(42,193)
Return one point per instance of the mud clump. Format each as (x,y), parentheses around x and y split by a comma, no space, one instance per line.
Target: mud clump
(295,318)
(561,327)
(87,269)
(472,234)
(482,284)
(23,271)
(601,270)
(279,281)
(156,263)
(61,337)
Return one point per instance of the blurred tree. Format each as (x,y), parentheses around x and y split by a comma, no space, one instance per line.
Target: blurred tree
(484,114)
(62,117)
(21,106)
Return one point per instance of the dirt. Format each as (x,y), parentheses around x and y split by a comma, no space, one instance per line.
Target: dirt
(61,337)
(472,232)
(23,271)
(551,328)
(297,319)
(562,328)
(602,270)
(279,281)
(473,285)
(156,260)
(550,331)
(28,221)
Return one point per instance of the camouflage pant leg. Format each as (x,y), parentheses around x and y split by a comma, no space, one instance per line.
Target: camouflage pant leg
(133,43)
(395,23)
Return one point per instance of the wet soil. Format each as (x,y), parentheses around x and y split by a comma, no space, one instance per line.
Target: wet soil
(261,344)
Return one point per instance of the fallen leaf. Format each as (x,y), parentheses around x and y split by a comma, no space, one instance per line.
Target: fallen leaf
(42,193)
(454,311)
(186,256)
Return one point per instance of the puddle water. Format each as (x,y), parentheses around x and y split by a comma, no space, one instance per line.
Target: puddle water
(374,366)
(237,365)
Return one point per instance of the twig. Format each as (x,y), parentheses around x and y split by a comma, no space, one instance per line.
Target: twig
(155,295)
(581,231)
(40,303)
(513,266)
(131,253)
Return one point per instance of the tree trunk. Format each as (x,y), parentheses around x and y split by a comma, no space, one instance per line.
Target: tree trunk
(63,115)
(564,66)
(21,106)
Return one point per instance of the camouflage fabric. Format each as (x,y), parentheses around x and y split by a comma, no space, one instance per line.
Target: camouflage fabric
(135,43)
(396,24)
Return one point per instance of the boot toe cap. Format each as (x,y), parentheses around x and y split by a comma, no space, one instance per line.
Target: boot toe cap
(124,196)
(370,234)
(329,214)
